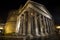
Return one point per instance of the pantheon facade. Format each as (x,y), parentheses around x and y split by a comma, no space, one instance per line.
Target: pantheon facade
(34,20)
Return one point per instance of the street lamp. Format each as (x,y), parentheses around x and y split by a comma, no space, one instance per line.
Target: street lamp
(1,27)
(58,27)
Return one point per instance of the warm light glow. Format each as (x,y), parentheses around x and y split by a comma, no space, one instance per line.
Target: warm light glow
(10,27)
(1,27)
(58,27)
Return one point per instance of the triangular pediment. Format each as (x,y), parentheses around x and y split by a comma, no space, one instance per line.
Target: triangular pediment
(36,6)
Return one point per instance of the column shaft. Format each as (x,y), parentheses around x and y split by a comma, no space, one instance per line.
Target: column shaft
(29,24)
(21,26)
(44,25)
(24,26)
(36,25)
(41,26)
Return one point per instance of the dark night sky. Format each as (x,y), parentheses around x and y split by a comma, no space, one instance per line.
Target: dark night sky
(52,5)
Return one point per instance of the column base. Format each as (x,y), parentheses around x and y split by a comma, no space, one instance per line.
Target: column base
(46,34)
(38,35)
(42,34)
(29,35)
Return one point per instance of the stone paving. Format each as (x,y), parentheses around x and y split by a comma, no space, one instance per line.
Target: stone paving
(53,37)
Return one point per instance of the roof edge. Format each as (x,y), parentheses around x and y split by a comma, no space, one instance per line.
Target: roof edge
(24,6)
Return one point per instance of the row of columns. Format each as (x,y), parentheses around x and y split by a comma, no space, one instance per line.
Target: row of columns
(34,24)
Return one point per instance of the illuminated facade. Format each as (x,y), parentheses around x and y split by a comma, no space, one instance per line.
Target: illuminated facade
(10,25)
(34,20)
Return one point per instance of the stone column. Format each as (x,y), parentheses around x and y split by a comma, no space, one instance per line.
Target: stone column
(50,26)
(36,25)
(26,21)
(17,25)
(24,26)
(32,24)
(41,26)
(29,24)
(21,26)
(45,25)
